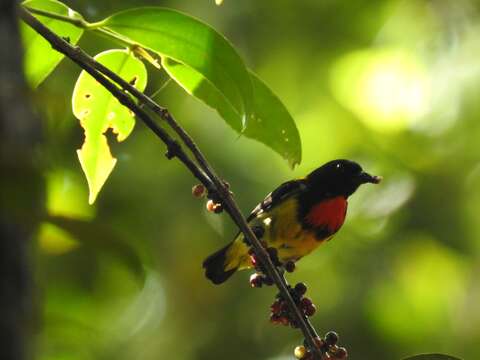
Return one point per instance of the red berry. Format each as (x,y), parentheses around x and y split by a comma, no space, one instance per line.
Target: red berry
(284,320)
(340,353)
(275,318)
(284,306)
(310,310)
(332,350)
(305,303)
(256,280)
(276,307)
(289,266)
(331,338)
(198,190)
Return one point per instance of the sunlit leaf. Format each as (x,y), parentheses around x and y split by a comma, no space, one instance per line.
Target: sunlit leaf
(54,240)
(65,195)
(271,124)
(432,357)
(39,57)
(98,111)
(194,44)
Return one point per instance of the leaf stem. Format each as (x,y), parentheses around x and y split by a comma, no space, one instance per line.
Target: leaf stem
(77,20)
(73,18)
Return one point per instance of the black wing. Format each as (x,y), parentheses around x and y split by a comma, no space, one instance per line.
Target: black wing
(281,193)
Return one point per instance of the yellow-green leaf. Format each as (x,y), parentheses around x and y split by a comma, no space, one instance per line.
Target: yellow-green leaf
(193,43)
(39,57)
(98,111)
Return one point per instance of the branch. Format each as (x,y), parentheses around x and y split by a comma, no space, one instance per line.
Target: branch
(202,171)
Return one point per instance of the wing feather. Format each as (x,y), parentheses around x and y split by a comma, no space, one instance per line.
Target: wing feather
(284,191)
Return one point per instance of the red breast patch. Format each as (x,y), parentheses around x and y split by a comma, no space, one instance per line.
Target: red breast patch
(330,213)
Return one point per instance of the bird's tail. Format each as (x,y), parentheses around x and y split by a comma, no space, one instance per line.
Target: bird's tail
(216,264)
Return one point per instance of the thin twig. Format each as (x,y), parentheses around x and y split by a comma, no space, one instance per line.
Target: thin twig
(160,89)
(74,19)
(203,171)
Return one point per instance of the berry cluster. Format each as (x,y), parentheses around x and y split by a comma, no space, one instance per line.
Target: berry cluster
(328,347)
(213,204)
(260,276)
(280,312)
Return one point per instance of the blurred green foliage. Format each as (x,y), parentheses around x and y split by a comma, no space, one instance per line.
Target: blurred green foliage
(391,84)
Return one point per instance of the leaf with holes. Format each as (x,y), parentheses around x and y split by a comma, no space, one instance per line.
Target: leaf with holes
(432,357)
(39,57)
(209,56)
(99,111)
(271,124)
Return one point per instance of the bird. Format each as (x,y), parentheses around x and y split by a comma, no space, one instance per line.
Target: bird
(295,218)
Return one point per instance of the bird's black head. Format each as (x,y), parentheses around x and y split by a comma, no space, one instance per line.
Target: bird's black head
(339,178)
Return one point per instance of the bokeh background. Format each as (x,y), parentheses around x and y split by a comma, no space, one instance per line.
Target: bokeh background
(391,84)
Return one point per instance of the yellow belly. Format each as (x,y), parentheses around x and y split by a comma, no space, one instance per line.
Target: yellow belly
(282,231)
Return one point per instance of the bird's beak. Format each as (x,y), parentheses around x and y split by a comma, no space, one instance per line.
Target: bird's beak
(367,178)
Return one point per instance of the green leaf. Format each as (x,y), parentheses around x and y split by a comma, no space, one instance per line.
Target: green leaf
(432,357)
(193,43)
(98,111)
(39,57)
(272,124)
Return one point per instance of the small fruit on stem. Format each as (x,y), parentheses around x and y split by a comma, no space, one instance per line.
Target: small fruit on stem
(289,266)
(214,206)
(256,280)
(340,353)
(310,310)
(198,191)
(331,338)
(300,352)
(300,288)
